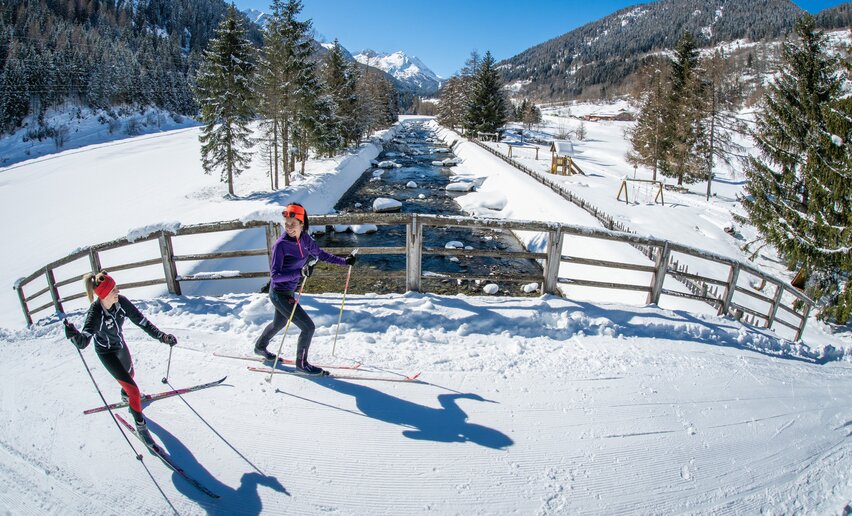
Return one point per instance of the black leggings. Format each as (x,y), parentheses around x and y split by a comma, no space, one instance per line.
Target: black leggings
(284,301)
(120,366)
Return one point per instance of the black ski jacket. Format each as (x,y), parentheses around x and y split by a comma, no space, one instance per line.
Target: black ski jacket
(105,326)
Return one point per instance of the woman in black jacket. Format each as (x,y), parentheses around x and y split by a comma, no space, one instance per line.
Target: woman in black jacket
(104,322)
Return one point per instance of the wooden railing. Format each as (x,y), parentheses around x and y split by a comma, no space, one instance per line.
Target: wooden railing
(703,290)
(730,289)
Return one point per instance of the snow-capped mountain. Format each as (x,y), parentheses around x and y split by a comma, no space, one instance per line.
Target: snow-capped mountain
(256,16)
(408,70)
(346,54)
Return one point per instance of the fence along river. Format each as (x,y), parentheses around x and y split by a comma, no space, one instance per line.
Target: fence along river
(409,252)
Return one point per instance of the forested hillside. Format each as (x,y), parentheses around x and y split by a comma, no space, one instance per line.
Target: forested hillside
(595,59)
(101,54)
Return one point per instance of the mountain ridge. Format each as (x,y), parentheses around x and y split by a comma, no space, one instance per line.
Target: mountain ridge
(604,53)
(409,71)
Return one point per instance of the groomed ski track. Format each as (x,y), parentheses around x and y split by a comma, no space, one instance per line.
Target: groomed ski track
(602,411)
(530,406)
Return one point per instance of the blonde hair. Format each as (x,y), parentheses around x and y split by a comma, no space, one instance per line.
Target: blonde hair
(92,280)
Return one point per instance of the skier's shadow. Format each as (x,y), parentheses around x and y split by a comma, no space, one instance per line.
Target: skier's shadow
(445,424)
(245,499)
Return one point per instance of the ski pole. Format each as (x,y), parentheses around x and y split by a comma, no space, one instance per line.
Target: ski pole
(112,416)
(342,302)
(286,328)
(215,432)
(168,365)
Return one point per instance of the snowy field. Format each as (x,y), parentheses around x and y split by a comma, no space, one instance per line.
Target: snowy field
(547,405)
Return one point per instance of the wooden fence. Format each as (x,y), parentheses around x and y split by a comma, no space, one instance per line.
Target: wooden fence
(730,289)
(708,290)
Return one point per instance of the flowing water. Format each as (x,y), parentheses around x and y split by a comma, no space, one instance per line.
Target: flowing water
(421,188)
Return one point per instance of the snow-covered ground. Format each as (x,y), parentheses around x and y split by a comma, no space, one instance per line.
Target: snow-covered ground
(77,128)
(531,406)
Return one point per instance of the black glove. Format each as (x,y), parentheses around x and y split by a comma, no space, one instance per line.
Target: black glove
(350,260)
(74,335)
(70,330)
(308,268)
(168,338)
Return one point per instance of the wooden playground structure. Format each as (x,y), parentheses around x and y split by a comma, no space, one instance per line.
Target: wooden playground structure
(624,189)
(561,159)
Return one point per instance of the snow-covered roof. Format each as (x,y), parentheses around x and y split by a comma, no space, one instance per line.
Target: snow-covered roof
(562,148)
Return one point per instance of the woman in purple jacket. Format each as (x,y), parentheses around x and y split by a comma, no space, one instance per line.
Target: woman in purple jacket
(293,258)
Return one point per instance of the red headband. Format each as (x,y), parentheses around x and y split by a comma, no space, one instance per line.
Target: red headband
(105,286)
(294,211)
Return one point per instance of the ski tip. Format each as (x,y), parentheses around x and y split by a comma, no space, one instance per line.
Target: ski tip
(412,378)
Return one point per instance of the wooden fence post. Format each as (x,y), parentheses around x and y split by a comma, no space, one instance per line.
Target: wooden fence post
(554,260)
(169,268)
(413,254)
(805,316)
(95,261)
(731,286)
(20,288)
(662,267)
(773,310)
(272,235)
(54,292)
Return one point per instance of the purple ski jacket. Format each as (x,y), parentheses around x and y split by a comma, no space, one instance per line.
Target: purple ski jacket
(289,255)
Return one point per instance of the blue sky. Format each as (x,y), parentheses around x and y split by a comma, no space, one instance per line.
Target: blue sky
(443,32)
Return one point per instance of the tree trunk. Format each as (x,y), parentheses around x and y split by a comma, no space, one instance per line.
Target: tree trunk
(230,176)
(712,150)
(285,150)
(275,144)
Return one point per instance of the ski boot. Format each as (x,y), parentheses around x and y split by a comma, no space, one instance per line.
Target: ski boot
(142,430)
(263,352)
(303,366)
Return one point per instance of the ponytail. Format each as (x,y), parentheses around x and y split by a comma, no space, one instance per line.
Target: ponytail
(91,282)
(88,281)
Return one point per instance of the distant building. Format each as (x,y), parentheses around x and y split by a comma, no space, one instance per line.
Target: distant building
(621,116)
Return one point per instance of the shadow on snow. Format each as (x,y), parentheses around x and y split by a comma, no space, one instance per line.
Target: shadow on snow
(243,499)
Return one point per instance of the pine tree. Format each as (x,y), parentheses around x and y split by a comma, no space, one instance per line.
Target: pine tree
(14,94)
(378,102)
(681,158)
(225,95)
(717,121)
(647,137)
(316,124)
(487,110)
(530,114)
(285,69)
(452,103)
(800,188)
(341,80)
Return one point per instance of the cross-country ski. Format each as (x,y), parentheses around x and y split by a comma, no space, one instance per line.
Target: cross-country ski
(161,454)
(157,396)
(287,361)
(295,372)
